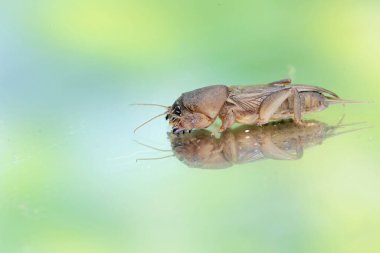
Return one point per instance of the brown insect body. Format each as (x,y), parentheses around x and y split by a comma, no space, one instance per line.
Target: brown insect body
(251,104)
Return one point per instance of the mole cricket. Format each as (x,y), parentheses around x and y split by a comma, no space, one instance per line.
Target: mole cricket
(249,105)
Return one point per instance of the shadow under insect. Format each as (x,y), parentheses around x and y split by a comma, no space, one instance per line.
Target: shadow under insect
(284,140)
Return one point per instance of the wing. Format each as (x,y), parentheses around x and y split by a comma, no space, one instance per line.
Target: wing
(250,97)
(250,156)
(305,87)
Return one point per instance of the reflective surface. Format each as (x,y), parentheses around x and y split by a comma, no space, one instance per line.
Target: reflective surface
(69,180)
(282,140)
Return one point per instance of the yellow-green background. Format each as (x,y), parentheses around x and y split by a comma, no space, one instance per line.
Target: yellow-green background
(68,178)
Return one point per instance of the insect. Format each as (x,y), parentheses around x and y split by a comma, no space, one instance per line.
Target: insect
(282,140)
(251,104)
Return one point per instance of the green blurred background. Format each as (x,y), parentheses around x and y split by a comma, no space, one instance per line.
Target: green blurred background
(68,178)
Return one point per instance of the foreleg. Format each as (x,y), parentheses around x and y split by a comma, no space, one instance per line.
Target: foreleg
(228,118)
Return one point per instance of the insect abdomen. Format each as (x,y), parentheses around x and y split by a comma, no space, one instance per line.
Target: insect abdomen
(310,102)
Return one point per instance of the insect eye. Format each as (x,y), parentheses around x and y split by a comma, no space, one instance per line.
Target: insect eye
(177,111)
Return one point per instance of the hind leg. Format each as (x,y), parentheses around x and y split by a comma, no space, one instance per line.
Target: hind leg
(271,150)
(272,103)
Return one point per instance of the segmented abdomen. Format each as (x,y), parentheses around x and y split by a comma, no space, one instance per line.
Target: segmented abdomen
(310,102)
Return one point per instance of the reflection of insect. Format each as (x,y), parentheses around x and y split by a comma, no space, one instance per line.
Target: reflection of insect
(252,105)
(282,140)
